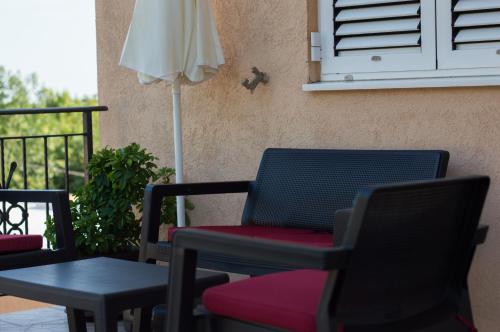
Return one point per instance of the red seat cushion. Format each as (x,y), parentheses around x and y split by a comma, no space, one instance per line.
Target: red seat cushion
(287,300)
(296,235)
(18,243)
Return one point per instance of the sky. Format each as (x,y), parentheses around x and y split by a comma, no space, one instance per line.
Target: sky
(54,39)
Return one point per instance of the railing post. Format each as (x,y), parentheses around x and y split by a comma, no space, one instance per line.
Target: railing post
(2,184)
(88,142)
(88,149)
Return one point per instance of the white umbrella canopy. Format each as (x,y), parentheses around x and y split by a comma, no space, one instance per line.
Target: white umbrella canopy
(175,41)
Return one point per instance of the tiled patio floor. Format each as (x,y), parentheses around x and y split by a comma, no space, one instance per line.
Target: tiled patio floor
(51,319)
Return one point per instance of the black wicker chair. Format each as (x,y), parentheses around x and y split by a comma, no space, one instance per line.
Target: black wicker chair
(401,266)
(26,250)
(297,196)
(294,198)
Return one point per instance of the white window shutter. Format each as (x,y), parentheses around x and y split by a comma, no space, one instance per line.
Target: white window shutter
(468,33)
(369,36)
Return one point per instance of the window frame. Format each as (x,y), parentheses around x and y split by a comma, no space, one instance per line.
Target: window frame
(455,59)
(439,77)
(397,62)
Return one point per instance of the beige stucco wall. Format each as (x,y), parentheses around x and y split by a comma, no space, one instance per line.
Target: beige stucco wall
(226,128)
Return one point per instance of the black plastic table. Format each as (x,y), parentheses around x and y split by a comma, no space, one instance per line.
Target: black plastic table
(104,286)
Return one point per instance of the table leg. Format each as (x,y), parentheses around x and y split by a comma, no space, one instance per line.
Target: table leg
(105,321)
(76,320)
(142,319)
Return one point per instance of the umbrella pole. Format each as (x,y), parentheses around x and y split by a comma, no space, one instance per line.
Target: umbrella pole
(176,99)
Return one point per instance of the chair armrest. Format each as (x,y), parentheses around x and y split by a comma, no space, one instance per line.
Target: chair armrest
(61,212)
(480,234)
(203,188)
(340,225)
(278,252)
(154,194)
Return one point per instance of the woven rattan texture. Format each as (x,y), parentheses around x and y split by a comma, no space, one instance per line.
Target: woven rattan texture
(304,188)
(408,250)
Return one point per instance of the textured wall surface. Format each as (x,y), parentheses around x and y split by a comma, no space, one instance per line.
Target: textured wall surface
(226,128)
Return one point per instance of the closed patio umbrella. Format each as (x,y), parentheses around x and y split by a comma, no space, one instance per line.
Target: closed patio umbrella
(175,41)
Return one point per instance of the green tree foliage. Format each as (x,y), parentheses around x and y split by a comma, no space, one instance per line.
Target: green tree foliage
(17,91)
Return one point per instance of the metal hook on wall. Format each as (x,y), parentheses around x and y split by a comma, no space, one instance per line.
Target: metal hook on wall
(260,77)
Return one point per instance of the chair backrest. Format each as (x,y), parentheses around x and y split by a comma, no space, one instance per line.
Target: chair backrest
(17,200)
(303,188)
(412,245)
(61,214)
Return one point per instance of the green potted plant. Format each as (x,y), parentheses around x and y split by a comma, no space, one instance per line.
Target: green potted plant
(107,210)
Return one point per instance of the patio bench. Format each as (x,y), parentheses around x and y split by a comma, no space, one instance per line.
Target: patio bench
(400,267)
(24,250)
(294,198)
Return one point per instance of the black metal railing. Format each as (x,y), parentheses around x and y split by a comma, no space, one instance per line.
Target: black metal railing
(7,226)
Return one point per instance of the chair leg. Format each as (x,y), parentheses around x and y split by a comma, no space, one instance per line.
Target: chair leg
(142,319)
(465,306)
(105,321)
(76,320)
(180,299)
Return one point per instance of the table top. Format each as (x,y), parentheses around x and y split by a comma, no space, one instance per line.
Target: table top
(95,277)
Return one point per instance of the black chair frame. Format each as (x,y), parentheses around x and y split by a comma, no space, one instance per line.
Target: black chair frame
(152,249)
(432,164)
(336,260)
(64,248)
